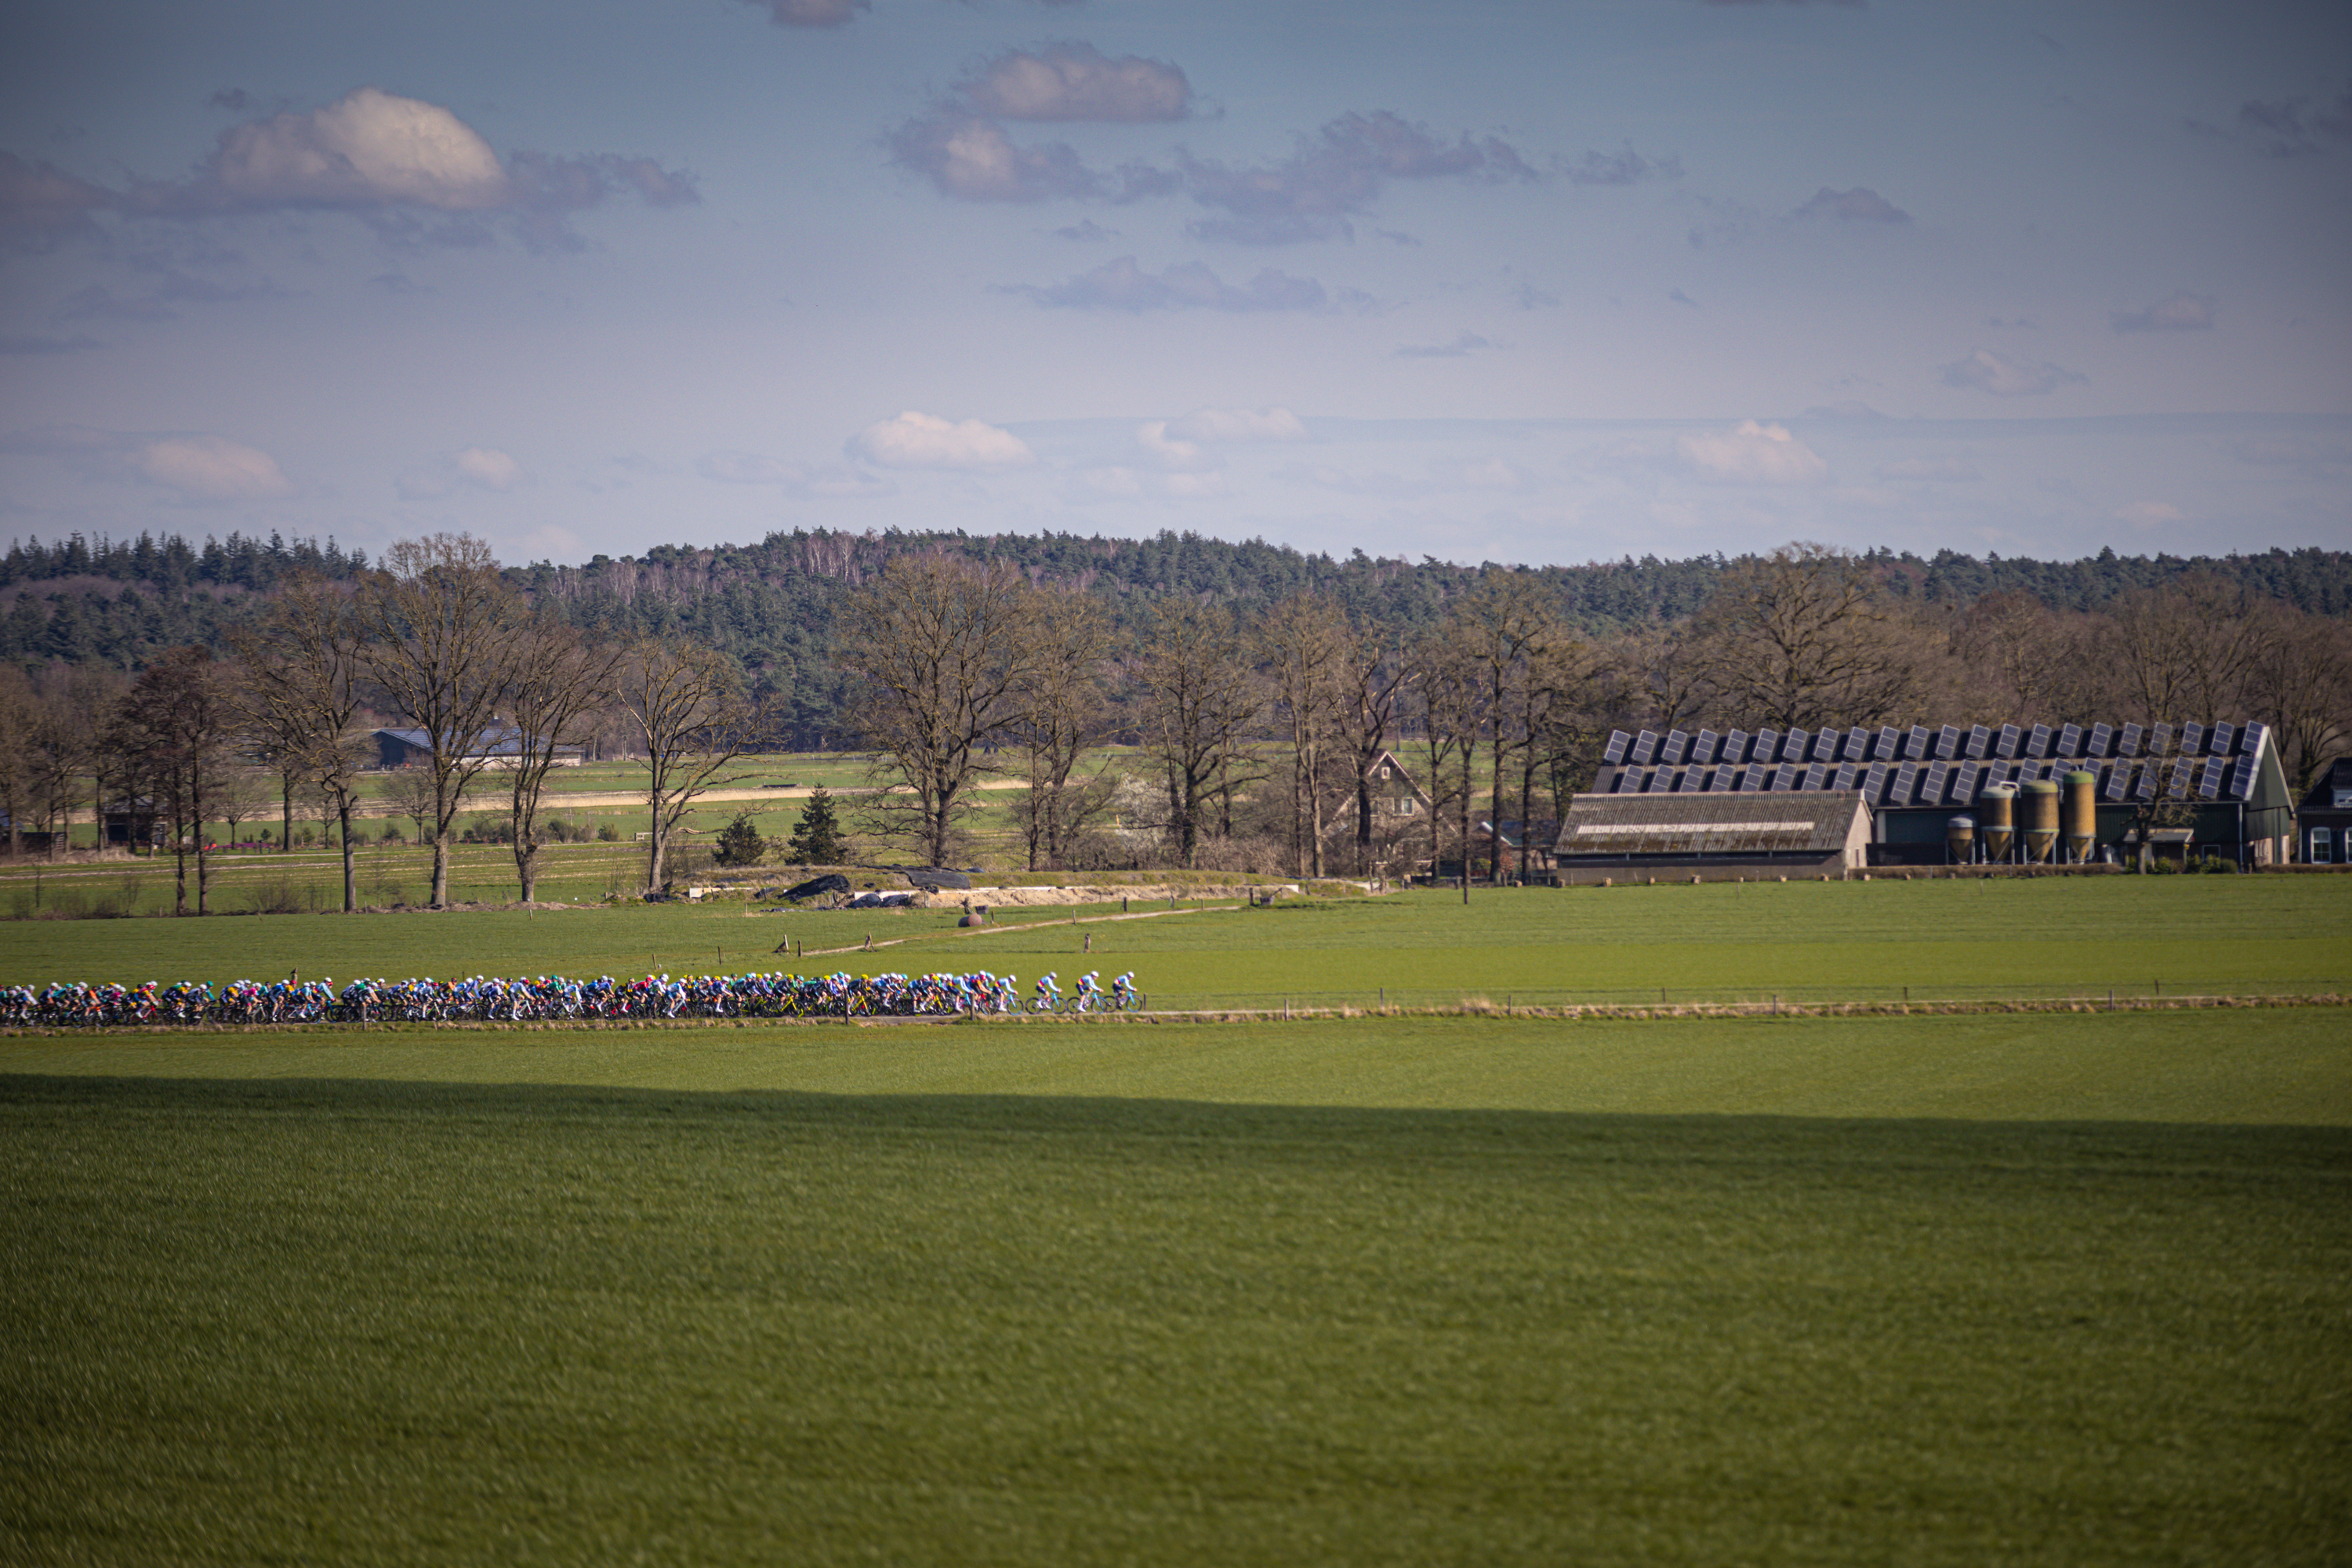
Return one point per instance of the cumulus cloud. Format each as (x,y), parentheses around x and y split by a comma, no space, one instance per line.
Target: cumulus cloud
(2183,312)
(1860,204)
(1985,371)
(974,160)
(1751,454)
(1336,173)
(487,468)
(207,469)
(1076,82)
(37,199)
(1121,285)
(916,440)
(369,151)
(1239,424)
(1168,452)
(1933,471)
(1464,343)
(809,13)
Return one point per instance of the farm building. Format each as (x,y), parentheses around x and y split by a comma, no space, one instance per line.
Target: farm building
(1394,790)
(496,747)
(2325,816)
(1716,836)
(1526,847)
(2225,778)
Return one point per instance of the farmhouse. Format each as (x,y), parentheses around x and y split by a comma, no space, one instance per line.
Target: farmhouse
(2224,778)
(2325,816)
(496,746)
(1394,789)
(1715,837)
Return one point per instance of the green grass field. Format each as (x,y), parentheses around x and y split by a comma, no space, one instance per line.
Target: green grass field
(2206,935)
(2021,1287)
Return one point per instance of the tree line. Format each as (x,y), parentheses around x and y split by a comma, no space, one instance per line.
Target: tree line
(1259,722)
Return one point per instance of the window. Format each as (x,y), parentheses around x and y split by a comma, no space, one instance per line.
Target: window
(1384,773)
(2344,799)
(1404,806)
(2320,847)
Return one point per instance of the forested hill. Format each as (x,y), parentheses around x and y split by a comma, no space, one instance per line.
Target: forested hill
(771,604)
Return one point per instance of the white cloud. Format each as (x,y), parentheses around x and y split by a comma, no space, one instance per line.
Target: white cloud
(1752,454)
(914,440)
(489,467)
(2145,513)
(1168,452)
(366,148)
(1239,424)
(1075,81)
(1985,371)
(2184,312)
(209,468)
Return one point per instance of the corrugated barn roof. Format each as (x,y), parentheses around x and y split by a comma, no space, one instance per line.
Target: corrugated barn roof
(1801,822)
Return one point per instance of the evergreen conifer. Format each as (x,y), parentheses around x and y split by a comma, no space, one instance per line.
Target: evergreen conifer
(816,838)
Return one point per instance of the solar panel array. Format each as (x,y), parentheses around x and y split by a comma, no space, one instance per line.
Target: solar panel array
(1943,767)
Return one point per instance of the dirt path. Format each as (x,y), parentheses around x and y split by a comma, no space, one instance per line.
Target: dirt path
(953,933)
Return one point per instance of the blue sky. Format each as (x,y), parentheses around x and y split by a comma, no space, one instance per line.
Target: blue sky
(1543,282)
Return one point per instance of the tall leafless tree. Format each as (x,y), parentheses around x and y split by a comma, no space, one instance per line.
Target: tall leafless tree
(1058,713)
(444,636)
(302,695)
(1378,677)
(693,717)
(560,679)
(1200,704)
(174,725)
(1305,645)
(2300,683)
(943,648)
(1803,638)
(1501,625)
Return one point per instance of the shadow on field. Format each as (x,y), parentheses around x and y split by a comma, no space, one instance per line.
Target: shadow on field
(1373,1133)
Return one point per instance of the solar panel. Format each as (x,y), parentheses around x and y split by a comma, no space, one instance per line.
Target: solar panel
(2037,745)
(1735,746)
(1915,744)
(2192,740)
(1939,779)
(2102,742)
(1614,752)
(2218,742)
(1752,776)
(1906,785)
(1846,773)
(1709,745)
(2118,780)
(2242,777)
(2010,737)
(2208,787)
(1964,780)
(2159,740)
(1874,781)
(2182,768)
(1818,776)
(1979,742)
(1857,746)
(1768,745)
(1795,744)
(1645,748)
(2128,744)
(1677,747)
(2069,741)
(1948,743)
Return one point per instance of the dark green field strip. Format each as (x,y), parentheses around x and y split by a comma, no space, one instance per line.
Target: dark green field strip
(2247,1067)
(370,1323)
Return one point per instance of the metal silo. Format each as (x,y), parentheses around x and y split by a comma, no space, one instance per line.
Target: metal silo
(1960,839)
(2038,808)
(2082,815)
(1995,808)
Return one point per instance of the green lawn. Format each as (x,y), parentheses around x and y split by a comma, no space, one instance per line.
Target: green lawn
(326,1320)
(1799,941)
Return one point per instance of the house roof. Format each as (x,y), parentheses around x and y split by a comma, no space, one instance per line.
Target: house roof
(1790,822)
(1947,767)
(1512,831)
(495,741)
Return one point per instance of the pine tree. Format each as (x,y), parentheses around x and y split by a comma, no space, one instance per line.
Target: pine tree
(816,838)
(739,843)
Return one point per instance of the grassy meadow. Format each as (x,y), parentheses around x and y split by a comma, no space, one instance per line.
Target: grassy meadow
(2021,1288)
(1719,942)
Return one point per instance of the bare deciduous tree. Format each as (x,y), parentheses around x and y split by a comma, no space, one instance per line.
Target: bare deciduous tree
(442,636)
(2181,651)
(2300,683)
(301,693)
(1803,638)
(1378,678)
(1501,624)
(689,710)
(559,680)
(1200,702)
(176,722)
(943,648)
(1058,713)
(1305,645)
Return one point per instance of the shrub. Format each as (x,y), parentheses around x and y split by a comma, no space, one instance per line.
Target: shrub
(739,843)
(608,834)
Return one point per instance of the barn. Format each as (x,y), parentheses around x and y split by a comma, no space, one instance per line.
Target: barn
(497,746)
(1718,837)
(2225,779)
